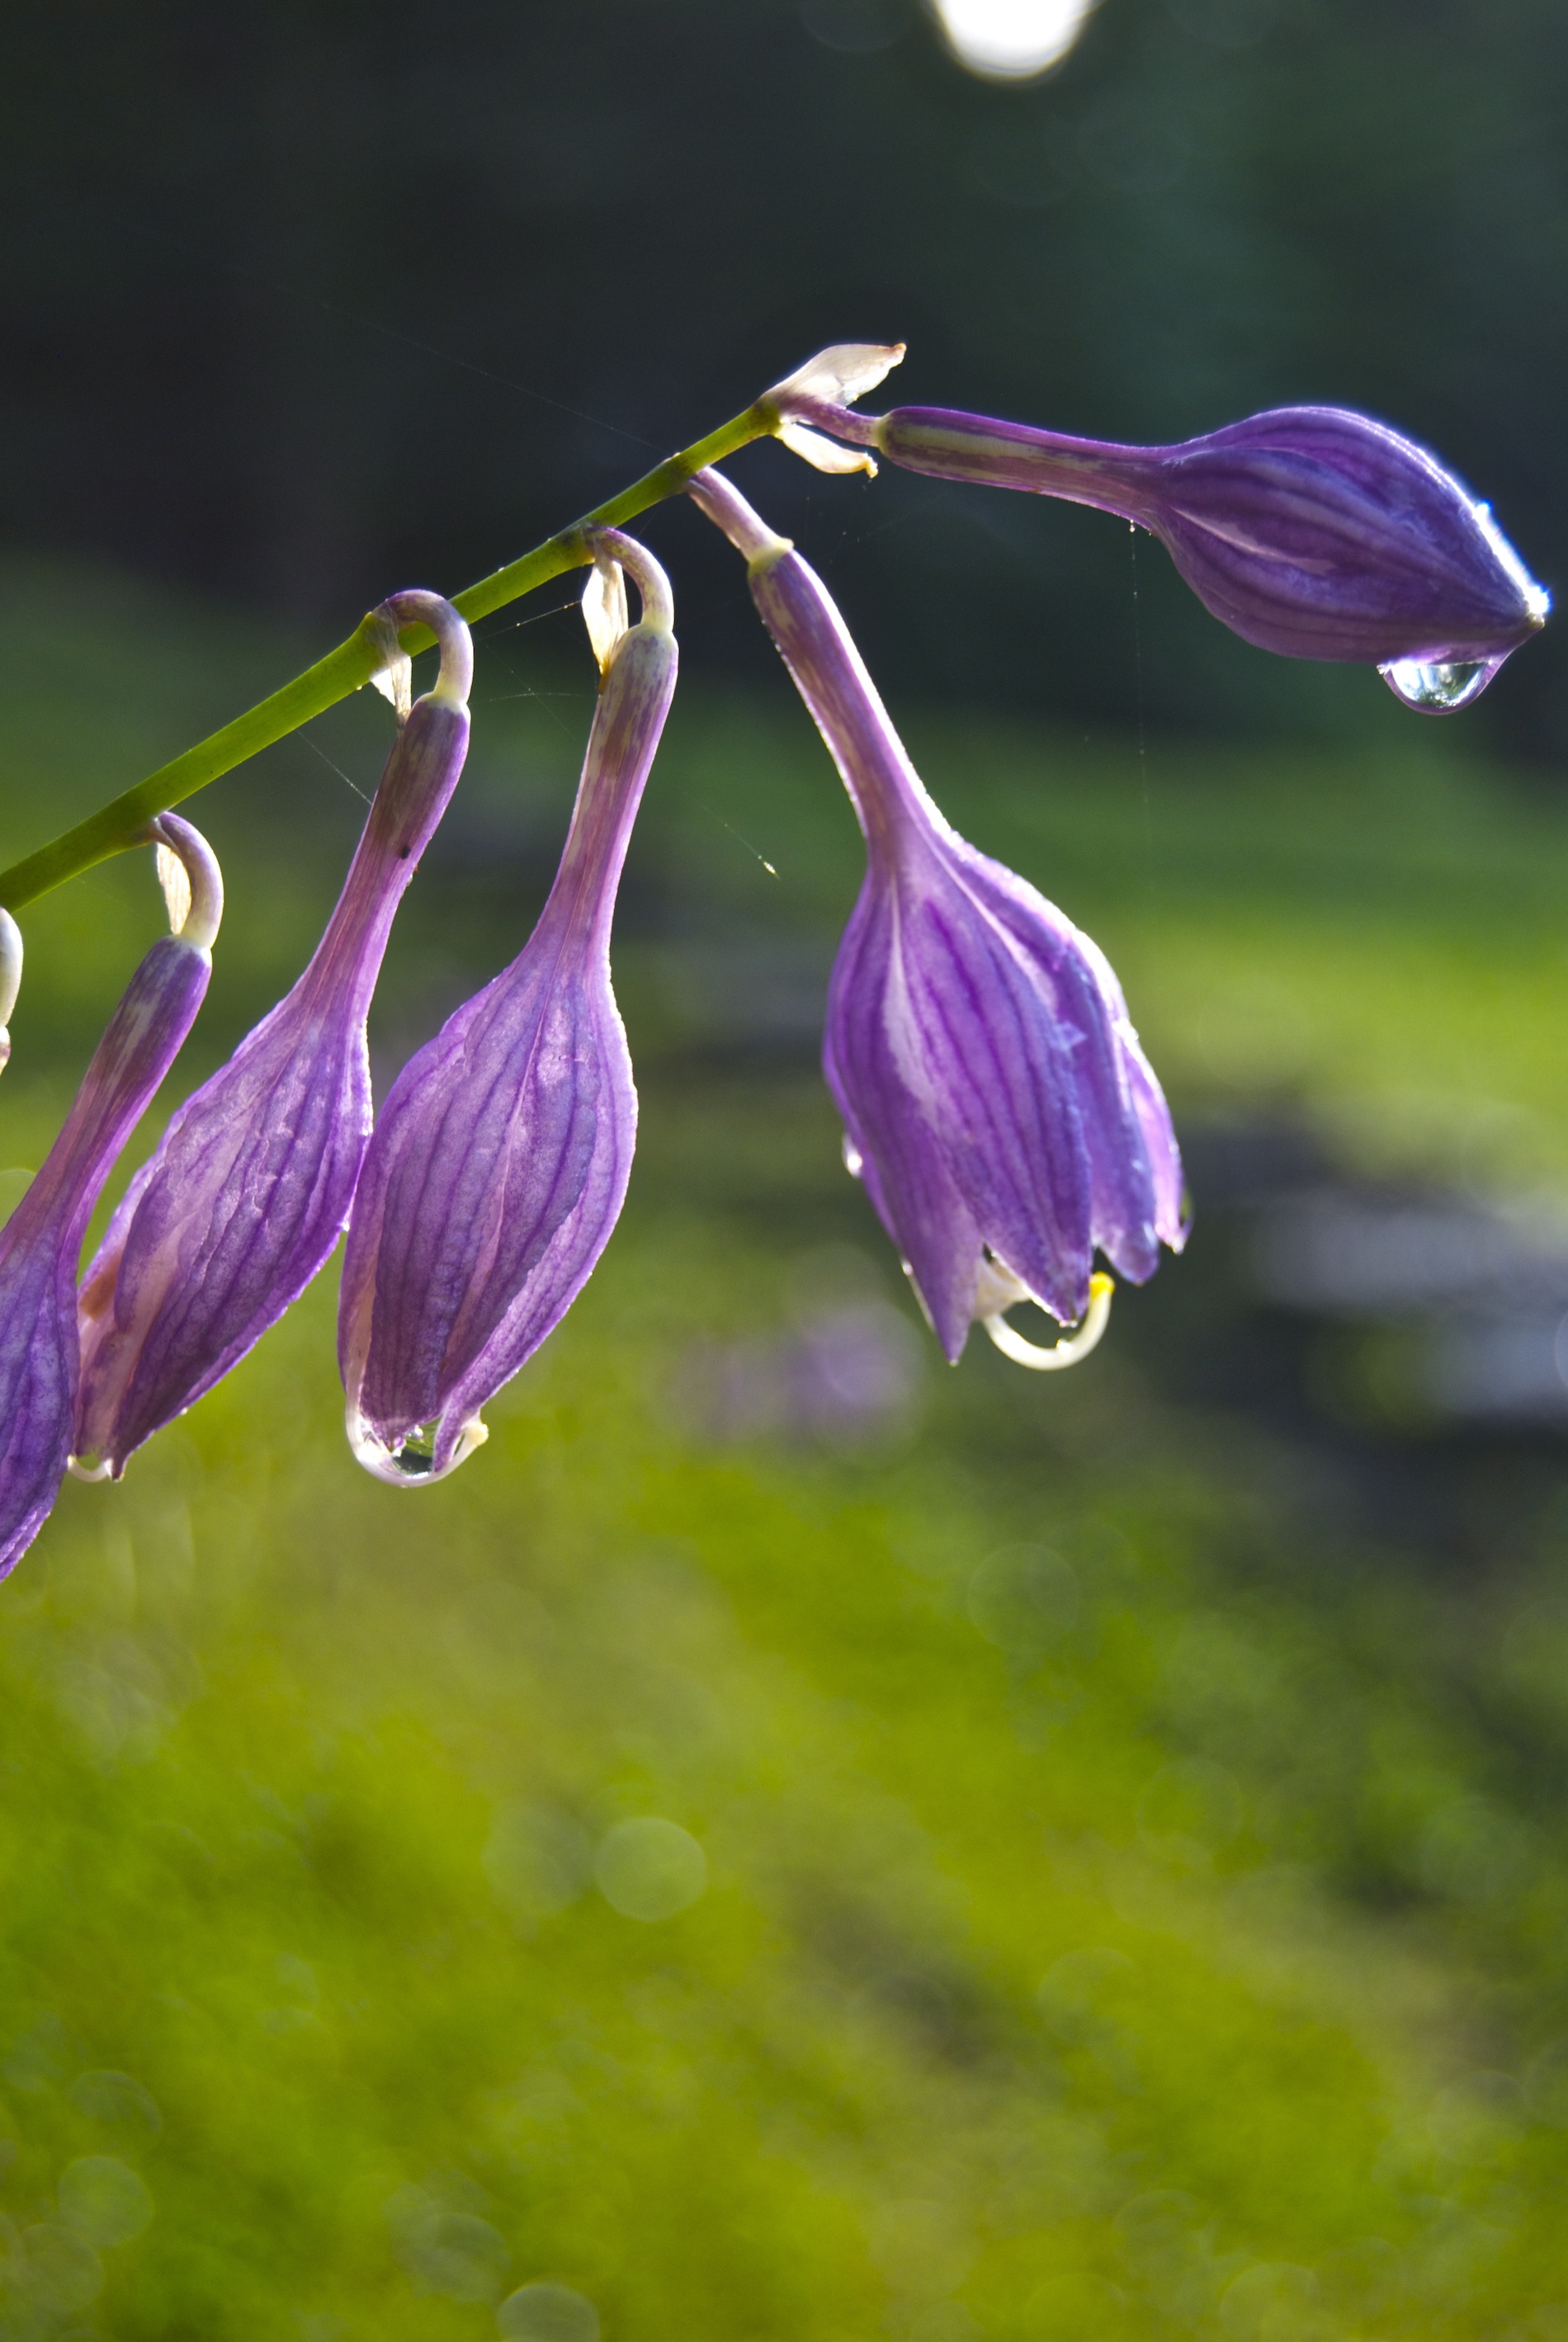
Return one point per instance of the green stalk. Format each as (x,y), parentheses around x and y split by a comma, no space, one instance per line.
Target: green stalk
(123,823)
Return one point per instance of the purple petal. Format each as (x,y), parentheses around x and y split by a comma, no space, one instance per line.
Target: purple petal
(38,1384)
(1081,998)
(894,1148)
(235,1215)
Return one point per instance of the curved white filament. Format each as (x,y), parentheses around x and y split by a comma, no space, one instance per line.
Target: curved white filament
(1072,1347)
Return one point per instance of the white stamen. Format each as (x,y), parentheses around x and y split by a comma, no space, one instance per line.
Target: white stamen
(1072,1347)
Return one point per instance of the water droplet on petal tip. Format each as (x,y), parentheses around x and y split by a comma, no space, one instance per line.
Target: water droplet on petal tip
(1439,686)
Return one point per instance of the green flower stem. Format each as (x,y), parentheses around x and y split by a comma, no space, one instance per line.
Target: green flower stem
(123,823)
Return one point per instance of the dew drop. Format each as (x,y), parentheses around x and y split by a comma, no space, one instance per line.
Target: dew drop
(412,1463)
(1439,686)
(854,1161)
(415,1458)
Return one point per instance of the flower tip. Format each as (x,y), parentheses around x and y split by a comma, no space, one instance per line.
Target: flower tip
(1072,1347)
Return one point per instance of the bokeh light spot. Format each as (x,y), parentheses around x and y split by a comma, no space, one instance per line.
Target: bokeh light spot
(56,2275)
(649,1868)
(547,2313)
(450,2252)
(103,2200)
(116,2100)
(1023,1597)
(1011,40)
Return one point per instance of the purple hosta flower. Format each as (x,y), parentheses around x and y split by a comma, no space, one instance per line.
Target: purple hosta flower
(501,1157)
(994,1097)
(1309,530)
(246,1196)
(40,1242)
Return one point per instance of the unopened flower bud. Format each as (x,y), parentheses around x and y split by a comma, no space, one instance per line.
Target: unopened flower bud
(500,1159)
(1310,531)
(995,1101)
(39,1244)
(248,1192)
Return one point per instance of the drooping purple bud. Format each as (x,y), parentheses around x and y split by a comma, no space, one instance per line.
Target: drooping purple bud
(1310,531)
(40,1242)
(995,1101)
(500,1160)
(248,1192)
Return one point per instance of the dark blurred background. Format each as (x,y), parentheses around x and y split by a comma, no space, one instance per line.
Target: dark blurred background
(311,298)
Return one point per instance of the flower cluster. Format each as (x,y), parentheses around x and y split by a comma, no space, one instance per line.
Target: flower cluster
(996,1105)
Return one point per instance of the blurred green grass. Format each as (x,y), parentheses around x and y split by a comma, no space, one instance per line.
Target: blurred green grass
(1125,1907)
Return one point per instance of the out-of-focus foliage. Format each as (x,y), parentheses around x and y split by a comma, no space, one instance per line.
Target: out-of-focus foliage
(793,1840)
